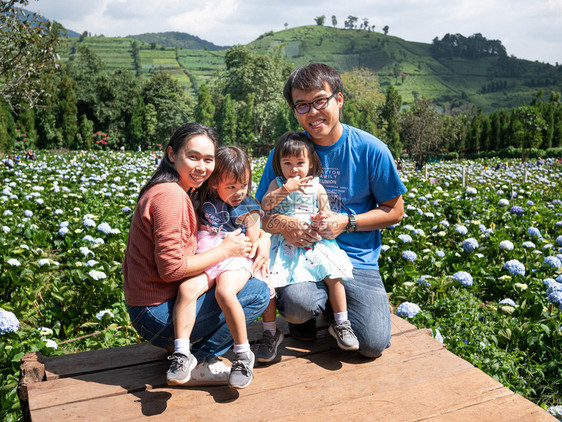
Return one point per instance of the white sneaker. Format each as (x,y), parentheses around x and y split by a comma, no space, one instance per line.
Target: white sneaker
(210,373)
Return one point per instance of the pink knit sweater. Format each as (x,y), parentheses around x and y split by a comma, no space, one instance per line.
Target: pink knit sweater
(162,234)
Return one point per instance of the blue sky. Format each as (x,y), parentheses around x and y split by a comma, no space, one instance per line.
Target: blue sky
(529,29)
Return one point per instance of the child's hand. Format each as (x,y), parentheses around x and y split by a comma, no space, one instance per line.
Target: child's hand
(319,220)
(296,183)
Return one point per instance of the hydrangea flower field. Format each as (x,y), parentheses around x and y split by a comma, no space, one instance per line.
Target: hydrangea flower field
(479,264)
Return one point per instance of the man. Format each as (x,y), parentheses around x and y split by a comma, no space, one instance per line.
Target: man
(360,177)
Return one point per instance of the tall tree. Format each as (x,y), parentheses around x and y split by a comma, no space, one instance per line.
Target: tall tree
(390,114)
(320,20)
(422,131)
(228,122)
(385,29)
(334,21)
(205,110)
(532,126)
(27,51)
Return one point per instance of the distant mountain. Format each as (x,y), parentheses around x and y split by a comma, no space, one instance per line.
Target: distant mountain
(28,15)
(177,39)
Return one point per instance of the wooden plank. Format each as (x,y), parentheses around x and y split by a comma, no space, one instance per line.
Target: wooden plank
(279,391)
(508,408)
(79,391)
(136,354)
(99,360)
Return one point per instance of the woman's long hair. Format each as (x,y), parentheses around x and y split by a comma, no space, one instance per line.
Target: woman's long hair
(166,171)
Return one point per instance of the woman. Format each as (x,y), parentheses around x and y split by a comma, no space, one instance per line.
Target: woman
(160,255)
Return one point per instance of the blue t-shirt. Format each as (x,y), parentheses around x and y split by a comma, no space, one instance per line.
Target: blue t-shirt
(225,217)
(358,173)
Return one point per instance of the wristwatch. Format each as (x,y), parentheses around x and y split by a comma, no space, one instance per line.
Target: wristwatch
(351,224)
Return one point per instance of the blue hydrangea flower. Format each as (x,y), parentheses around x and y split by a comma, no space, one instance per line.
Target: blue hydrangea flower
(516,209)
(444,223)
(470,244)
(419,232)
(8,213)
(63,231)
(514,267)
(126,210)
(105,228)
(423,278)
(409,256)
(59,211)
(85,251)
(529,245)
(406,238)
(100,314)
(533,231)
(63,224)
(559,278)
(384,248)
(552,262)
(507,301)
(89,223)
(555,296)
(28,213)
(440,253)
(559,240)
(407,309)
(530,203)
(503,202)
(464,278)
(459,228)
(88,238)
(8,322)
(506,245)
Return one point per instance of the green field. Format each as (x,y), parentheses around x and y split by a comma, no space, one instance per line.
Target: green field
(409,66)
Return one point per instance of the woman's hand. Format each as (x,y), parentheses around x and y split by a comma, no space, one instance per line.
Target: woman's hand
(260,253)
(236,244)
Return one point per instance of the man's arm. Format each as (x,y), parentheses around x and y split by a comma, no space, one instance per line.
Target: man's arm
(387,213)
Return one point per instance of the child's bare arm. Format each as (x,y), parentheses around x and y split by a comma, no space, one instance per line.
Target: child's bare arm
(252,223)
(273,196)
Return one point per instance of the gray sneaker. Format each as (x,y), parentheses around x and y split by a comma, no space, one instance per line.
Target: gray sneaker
(344,335)
(242,370)
(267,346)
(180,369)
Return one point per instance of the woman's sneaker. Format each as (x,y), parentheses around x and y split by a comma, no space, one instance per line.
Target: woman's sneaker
(210,373)
(180,369)
(242,370)
(344,335)
(267,346)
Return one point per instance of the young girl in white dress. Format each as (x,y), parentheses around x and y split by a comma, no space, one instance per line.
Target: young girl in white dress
(297,192)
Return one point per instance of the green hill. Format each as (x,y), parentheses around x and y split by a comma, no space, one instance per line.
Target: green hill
(489,81)
(177,39)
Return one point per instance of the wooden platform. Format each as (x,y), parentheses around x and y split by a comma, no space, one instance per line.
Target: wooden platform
(415,379)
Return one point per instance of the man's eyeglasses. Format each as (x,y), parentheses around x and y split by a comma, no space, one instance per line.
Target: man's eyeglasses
(319,104)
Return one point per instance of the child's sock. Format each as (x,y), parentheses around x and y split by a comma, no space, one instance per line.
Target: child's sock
(181,345)
(340,317)
(271,327)
(242,348)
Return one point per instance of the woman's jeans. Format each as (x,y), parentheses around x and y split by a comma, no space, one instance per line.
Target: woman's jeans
(210,336)
(367,307)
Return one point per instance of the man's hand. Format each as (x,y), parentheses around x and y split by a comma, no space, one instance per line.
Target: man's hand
(333,225)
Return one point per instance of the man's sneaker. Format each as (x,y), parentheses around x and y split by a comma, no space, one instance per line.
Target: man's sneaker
(305,331)
(180,369)
(210,373)
(242,370)
(344,335)
(267,346)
